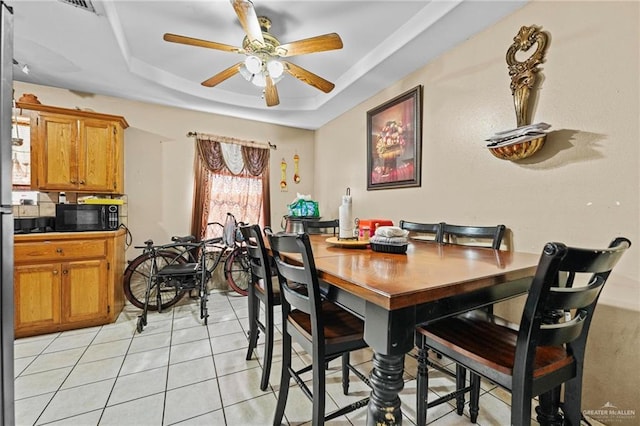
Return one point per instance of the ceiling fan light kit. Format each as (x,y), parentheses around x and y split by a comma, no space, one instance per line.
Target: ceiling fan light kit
(275,68)
(253,64)
(262,66)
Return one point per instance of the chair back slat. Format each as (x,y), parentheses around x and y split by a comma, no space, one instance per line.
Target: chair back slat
(564,332)
(321,226)
(494,234)
(593,261)
(431,229)
(566,298)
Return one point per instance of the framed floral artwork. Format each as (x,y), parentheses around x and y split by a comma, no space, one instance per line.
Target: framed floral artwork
(394,142)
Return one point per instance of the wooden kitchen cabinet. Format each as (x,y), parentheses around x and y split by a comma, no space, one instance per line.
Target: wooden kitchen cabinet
(37,296)
(76,151)
(64,281)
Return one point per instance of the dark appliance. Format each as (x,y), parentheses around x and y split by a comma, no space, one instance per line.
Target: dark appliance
(33,225)
(7,414)
(87,217)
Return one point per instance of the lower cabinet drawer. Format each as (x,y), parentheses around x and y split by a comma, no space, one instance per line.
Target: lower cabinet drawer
(59,250)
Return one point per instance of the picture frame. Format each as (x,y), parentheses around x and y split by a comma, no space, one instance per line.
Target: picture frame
(394,142)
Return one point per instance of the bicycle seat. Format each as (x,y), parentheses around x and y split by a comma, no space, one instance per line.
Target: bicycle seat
(186,239)
(179,269)
(148,242)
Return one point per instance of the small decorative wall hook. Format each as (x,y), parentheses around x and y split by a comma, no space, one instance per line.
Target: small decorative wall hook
(283,176)
(296,168)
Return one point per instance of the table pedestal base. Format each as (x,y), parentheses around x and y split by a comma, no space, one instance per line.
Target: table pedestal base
(386,384)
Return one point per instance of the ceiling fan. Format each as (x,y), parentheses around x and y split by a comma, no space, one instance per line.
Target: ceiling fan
(263,65)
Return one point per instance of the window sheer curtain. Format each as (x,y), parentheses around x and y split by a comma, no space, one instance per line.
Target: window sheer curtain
(230,176)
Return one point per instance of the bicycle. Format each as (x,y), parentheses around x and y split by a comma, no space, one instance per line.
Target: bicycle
(178,278)
(183,250)
(237,269)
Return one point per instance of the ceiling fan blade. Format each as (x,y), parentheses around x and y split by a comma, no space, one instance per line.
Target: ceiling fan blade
(174,38)
(222,75)
(271,93)
(308,77)
(320,43)
(249,20)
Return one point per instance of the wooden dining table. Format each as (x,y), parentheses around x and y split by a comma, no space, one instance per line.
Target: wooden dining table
(393,293)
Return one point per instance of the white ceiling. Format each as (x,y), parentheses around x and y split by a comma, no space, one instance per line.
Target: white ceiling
(119,50)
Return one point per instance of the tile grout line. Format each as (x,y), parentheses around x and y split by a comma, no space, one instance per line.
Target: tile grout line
(55,393)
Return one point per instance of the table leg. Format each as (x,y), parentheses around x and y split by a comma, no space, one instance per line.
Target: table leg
(389,350)
(386,384)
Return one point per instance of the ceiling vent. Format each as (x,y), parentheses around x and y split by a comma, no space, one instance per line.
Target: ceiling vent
(82,4)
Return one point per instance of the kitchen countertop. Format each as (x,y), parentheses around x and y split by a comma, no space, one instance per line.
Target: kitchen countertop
(64,235)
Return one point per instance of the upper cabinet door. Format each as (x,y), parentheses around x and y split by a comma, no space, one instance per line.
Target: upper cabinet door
(96,155)
(57,165)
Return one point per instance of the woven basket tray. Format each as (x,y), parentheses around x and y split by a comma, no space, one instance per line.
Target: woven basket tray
(389,248)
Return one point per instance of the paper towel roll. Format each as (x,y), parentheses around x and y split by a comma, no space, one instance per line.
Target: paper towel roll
(345,217)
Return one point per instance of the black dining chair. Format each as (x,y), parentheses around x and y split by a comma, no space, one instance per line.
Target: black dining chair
(476,236)
(546,351)
(321,226)
(490,236)
(261,290)
(324,330)
(432,231)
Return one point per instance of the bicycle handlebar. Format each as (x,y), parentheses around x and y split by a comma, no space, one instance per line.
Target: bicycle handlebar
(182,244)
(188,241)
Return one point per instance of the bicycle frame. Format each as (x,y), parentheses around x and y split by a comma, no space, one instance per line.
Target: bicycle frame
(164,273)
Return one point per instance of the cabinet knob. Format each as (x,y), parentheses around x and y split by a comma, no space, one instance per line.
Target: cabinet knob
(59,250)
(55,272)
(65,272)
(73,182)
(81,182)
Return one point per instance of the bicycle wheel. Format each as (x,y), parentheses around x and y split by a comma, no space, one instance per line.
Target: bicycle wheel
(237,271)
(136,277)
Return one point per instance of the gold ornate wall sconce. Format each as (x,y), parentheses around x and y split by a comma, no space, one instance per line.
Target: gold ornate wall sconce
(523,74)
(526,139)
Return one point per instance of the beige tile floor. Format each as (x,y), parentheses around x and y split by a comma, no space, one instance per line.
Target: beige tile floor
(180,372)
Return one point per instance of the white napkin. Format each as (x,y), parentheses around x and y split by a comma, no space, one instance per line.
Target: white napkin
(394,241)
(391,231)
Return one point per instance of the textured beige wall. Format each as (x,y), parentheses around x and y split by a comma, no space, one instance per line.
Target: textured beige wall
(582,188)
(159,158)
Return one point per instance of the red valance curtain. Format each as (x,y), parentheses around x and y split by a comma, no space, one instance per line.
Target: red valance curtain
(240,187)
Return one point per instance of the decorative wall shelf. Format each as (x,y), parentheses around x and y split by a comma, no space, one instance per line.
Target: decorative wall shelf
(523,144)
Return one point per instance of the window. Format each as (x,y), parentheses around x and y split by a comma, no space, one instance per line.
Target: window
(240,195)
(230,178)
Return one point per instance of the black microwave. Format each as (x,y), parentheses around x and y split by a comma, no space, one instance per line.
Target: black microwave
(87,217)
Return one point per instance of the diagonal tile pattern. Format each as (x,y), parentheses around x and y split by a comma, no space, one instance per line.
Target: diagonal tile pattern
(180,372)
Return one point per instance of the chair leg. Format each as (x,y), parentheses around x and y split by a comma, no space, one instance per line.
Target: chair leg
(461,379)
(345,373)
(317,418)
(268,347)
(474,397)
(422,383)
(285,377)
(254,308)
(520,407)
(572,406)
(547,411)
